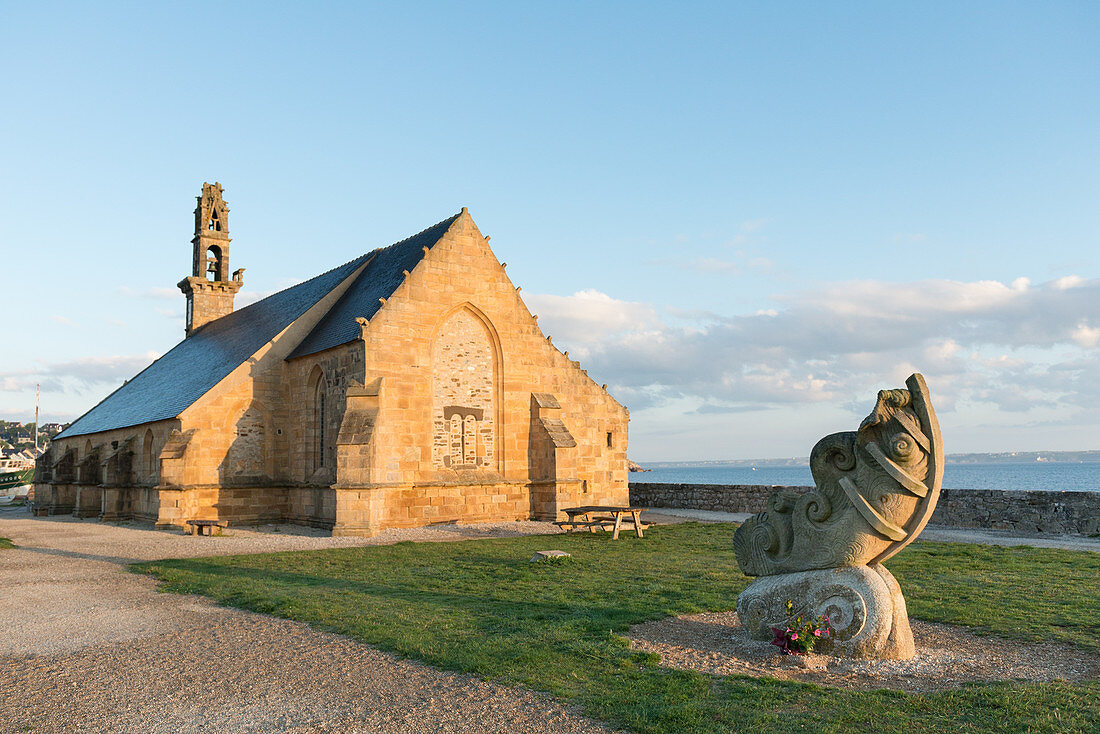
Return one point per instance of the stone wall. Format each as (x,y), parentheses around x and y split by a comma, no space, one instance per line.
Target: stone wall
(207,300)
(715,497)
(413,506)
(329,372)
(1030,512)
(1023,512)
(65,493)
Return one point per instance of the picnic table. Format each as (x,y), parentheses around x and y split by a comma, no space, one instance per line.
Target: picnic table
(602,517)
(202,527)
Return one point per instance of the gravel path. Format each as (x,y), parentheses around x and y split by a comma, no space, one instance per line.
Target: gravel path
(89,647)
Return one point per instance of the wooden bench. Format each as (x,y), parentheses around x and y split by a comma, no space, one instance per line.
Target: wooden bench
(203,527)
(593,517)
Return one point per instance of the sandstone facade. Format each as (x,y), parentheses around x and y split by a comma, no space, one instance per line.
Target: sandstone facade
(410,386)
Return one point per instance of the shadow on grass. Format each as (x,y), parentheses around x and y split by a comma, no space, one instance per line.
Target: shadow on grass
(480,607)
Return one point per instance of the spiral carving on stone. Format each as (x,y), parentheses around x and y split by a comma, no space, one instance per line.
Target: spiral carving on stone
(856,549)
(845,608)
(815,506)
(766,538)
(902,447)
(753,613)
(838,453)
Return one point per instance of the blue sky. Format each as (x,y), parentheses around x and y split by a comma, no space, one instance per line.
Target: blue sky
(744,217)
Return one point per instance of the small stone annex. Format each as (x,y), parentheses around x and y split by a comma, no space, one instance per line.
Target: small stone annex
(406,387)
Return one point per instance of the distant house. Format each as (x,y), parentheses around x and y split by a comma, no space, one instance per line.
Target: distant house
(408,386)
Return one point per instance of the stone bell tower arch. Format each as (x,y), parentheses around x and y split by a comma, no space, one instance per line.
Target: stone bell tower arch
(210,289)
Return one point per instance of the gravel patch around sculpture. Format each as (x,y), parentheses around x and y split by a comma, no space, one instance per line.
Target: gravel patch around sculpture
(947,657)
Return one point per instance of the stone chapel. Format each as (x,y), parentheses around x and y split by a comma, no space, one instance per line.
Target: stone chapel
(406,387)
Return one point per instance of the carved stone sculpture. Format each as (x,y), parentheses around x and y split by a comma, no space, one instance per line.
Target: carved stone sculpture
(875,490)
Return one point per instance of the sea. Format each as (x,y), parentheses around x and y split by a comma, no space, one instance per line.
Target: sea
(1049,476)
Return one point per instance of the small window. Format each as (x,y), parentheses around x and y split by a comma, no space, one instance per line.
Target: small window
(148,457)
(321,419)
(610,440)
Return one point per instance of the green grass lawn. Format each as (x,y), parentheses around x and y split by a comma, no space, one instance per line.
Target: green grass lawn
(480,607)
(5,543)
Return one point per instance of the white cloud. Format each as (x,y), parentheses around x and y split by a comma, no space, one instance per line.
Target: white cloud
(1086,336)
(1070,281)
(1014,347)
(77,374)
(589,317)
(245,298)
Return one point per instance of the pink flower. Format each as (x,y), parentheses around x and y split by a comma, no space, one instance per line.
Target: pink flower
(794,635)
(817,633)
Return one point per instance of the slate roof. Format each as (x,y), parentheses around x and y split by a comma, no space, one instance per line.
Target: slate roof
(169,385)
(378,280)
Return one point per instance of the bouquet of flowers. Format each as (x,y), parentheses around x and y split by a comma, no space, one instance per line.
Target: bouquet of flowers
(798,637)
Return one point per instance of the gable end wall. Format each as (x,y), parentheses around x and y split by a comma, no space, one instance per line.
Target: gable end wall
(461,275)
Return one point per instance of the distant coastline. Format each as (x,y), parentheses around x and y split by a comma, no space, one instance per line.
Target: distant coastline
(1021,474)
(1004,457)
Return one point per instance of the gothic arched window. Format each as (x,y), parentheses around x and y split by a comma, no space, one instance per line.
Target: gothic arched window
(464,387)
(319,402)
(148,458)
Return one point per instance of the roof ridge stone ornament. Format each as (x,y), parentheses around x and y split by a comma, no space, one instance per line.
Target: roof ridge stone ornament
(875,490)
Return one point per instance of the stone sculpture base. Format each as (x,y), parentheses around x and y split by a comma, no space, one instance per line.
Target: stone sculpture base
(864,604)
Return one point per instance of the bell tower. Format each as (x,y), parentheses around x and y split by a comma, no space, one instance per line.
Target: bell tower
(210,289)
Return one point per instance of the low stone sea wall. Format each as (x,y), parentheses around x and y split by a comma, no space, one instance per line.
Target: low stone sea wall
(1023,512)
